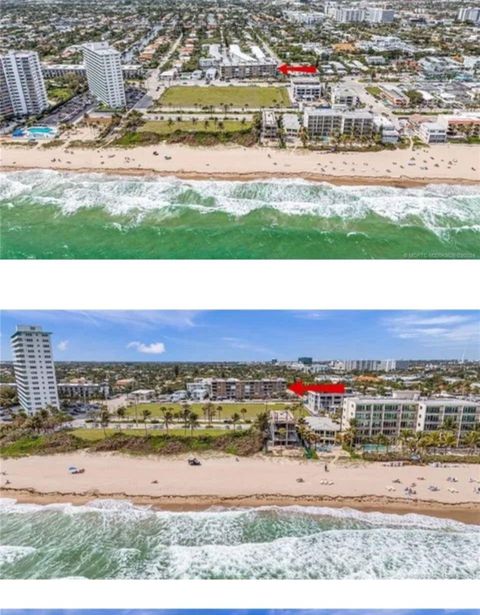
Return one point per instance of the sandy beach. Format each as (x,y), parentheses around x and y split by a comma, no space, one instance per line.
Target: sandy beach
(247,482)
(403,168)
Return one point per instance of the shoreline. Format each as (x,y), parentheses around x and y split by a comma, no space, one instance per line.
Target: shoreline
(443,164)
(228,481)
(335,180)
(464,512)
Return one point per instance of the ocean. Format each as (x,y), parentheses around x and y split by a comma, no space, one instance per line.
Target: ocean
(52,214)
(109,539)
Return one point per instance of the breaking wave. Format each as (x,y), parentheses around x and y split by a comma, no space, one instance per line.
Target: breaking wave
(116,539)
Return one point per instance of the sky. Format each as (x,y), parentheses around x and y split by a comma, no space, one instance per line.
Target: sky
(246,335)
(244,612)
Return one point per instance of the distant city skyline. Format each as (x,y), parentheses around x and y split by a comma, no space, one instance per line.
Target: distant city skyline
(247,335)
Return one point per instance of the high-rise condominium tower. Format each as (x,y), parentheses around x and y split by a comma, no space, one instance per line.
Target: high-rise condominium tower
(22,89)
(104,74)
(34,368)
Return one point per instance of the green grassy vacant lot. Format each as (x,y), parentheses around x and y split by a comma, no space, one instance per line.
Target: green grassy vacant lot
(234,96)
(227,409)
(163,127)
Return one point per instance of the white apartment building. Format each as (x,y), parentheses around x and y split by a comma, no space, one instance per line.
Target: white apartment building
(370,365)
(324,123)
(22,89)
(349,15)
(291,126)
(469,14)
(198,389)
(432,132)
(389,416)
(307,89)
(104,74)
(344,96)
(34,368)
(318,403)
(369,14)
(81,389)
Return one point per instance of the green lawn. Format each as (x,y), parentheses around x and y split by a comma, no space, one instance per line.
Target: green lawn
(374,91)
(234,96)
(227,409)
(164,127)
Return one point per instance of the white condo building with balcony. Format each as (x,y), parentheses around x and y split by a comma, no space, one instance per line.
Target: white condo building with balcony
(22,87)
(104,73)
(34,368)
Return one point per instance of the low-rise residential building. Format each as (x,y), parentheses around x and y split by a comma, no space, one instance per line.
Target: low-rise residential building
(432,132)
(325,430)
(389,416)
(322,123)
(345,96)
(142,395)
(394,96)
(269,125)
(235,389)
(234,63)
(357,124)
(291,126)
(198,389)
(282,429)
(329,399)
(306,89)
(325,123)
(465,124)
(82,389)
(49,71)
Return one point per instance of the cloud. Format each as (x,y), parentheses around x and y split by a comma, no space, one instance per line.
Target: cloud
(309,315)
(437,329)
(62,345)
(153,348)
(134,319)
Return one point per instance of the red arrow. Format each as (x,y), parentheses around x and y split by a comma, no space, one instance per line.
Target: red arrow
(287,68)
(300,388)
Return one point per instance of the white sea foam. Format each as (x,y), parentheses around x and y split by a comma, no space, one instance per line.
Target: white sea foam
(333,554)
(121,540)
(12,553)
(439,208)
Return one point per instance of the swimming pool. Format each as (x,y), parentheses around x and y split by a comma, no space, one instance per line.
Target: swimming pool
(35,132)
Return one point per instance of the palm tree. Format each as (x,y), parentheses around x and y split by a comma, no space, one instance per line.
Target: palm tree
(185,413)
(219,411)
(104,419)
(243,412)
(167,418)
(193,421)
(472,439)
(235,418)
(146,413)
(406,437)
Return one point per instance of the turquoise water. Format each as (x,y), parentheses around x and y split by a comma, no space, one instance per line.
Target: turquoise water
(116,540)
(41,130)
(50,214)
